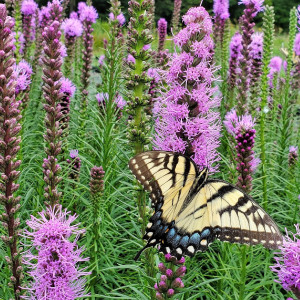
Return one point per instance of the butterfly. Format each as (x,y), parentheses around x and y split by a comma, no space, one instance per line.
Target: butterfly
(191,210)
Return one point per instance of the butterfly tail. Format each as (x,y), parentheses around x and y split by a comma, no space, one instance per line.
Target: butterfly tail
(140,252)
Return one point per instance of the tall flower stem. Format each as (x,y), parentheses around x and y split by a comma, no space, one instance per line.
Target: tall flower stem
(138,82)
(88,16)
(52,75)
(286,120)
(9,147)
(176,16)
(268,30)
(96,191)
(139,37)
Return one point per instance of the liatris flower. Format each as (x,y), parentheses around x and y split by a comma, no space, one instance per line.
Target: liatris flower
(22,73)
(246,24)
(221,11)
(185,118)
(296,69)
(75,164)
(171,277)
(52,75)
(242,128)
(68,90)
(176,15)
(255,53)
(55,11)
(162,25)
(297,44)
(293,155)
(88,16)
(28,10)
(9,147)
(235,55)
(72,29)
(120,18)
(74,15)
(96,182)
(118,100)
(55,256)
(287,264)
(101,60)
(275,68)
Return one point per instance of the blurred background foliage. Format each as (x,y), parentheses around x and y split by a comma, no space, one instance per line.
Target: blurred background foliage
(164,9)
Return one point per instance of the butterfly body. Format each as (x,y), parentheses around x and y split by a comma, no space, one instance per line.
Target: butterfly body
(191,211)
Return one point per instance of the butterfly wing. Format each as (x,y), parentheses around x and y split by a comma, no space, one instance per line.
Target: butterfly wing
(186,221)
(238,217)
(164,174)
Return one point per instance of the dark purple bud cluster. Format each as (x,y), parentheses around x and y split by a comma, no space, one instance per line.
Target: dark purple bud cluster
(97,183)
(52,74)
(245,155)
(9,147)
(171,277)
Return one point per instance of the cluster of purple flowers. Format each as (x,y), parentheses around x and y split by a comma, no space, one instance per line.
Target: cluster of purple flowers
(172,273)
(55,266)
(287,264)
(186,121)
(242,129)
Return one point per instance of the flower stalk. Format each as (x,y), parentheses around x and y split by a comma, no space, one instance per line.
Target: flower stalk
(9,147)
(51,90)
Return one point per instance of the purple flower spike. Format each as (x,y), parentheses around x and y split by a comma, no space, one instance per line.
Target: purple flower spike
(54,263)
(297,44)
(97,182)
(293,155)
(162,25)
(88,14)
(186,120)
(235,55)
(242,128)
(10,144)
(75,164)
(245,63)
(29,7)
(52,75)
(73,153)
(287,264)
(221,11)
(72,28)
(170,280)
(255,53)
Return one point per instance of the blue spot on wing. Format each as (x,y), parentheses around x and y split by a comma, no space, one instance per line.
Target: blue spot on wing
(184,241)
(205,233)
(176,240)
(195,239)
(170,234)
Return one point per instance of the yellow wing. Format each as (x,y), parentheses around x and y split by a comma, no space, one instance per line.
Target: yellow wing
(191,212)
(164,174)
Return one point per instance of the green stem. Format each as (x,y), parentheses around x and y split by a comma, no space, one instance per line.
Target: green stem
(243,272)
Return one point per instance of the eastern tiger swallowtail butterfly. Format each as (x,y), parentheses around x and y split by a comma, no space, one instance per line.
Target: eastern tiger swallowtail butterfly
(191,211)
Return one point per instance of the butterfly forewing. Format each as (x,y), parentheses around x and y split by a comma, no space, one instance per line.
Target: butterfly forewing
(163,174)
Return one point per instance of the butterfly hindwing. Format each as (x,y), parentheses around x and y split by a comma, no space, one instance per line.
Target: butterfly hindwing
(239,217)
(191,212)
